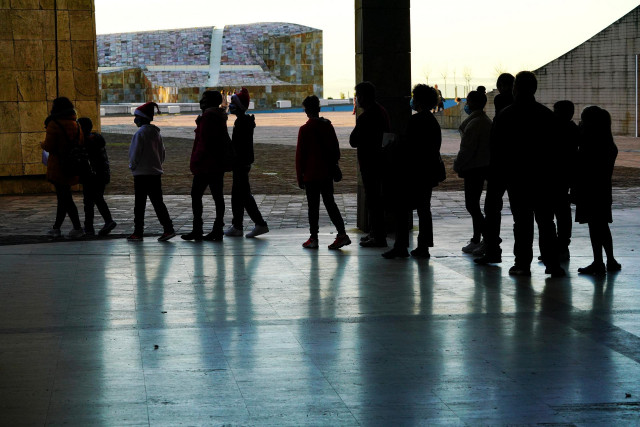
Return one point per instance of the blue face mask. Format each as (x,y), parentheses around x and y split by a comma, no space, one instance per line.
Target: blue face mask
(467,109)
(411,104)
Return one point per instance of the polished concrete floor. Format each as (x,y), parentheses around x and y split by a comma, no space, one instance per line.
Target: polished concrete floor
(262,332)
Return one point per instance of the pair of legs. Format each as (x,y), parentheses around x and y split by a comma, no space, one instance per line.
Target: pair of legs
(215,183)
(473,185)
(93,195)
(149,186)
(372,183)
(242,199)
(425,224)
(496,187)
(66,206)
(325,189)
(600,236)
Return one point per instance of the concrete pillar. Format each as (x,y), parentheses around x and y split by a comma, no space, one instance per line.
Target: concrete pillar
(383,57)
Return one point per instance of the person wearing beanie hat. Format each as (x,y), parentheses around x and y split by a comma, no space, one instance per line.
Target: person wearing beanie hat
(208,164)
(241,197)
(146,155)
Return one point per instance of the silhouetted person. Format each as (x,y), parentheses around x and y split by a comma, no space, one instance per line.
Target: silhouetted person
(524,134)
(472,163)
(592,192)
(63,133)
(317,156)
(241,197)
(496,185)
(417,158)
(208,164)
(482,90)
(367,138)
(440,104)
(93,185)
(146,156)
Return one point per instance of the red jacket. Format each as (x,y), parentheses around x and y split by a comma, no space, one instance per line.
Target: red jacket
(207,155)
(317,152)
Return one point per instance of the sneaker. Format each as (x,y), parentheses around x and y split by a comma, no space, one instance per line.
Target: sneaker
(366,237)
(216,235)
(232,231)
(488,258)
(613,265)
(593,270)
(135,237)
(420,253)
(341,240)
(471,246)
(257,231)
(374,243)
(555,271)
(518,270)
(311,243)
(167,235)
(480,250)
(107,228)
(395,253)
(75,233)
(54,233)
(197,236)
(89,231)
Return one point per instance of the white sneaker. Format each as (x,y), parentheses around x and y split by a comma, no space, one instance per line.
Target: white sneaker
(233,232)
(75,234)
(54,232)
(471,247)
(257,230)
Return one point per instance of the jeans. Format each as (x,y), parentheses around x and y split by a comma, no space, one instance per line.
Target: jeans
(149,186)
(473,184)
(66,206)
(215,182)
(93,194)
(425,223)
(496,187)
(241,198)
(325,189)
(373,195)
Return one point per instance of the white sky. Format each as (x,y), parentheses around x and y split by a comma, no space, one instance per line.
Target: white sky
(447,36)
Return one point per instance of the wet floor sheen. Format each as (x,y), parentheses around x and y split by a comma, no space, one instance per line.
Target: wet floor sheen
(262,332)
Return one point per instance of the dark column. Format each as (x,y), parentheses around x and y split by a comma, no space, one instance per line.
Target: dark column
(383,57)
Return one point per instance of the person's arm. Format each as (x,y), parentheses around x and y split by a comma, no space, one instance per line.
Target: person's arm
(135,150)
(49,144)
(334,144)
(300,157)
(468,147)
(163,152)
(356,134)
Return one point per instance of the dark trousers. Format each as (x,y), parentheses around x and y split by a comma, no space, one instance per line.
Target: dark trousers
(241,198)
(425,223)
(66,206)
(93,195)
(473,185)
(215,182)
(149,186)
(496,187)
(562,213)
(325,189)
(372,184)
(526,206)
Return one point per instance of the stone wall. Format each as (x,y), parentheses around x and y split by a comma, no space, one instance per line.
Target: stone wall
(600,72)
(28,75)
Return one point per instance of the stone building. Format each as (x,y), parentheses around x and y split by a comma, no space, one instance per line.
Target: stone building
(45,52)
(601,71)
(273,60)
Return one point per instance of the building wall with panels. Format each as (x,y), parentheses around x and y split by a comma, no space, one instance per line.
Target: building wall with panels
(28,75)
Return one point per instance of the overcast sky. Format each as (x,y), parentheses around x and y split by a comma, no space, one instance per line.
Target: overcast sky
(447,36)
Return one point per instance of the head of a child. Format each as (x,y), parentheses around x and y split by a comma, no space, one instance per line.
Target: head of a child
(85,124)
(210,99)
(311,106)
(564,110)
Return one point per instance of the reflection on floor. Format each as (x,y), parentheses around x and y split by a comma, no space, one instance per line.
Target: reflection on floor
(263,332)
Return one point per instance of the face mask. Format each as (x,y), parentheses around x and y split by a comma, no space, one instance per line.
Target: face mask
(467,109)
(411,104)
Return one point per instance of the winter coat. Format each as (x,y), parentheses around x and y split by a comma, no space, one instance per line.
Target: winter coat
(97,151)
(207,155)
(474,145)
(62,132)
(146,152)
(367,137)
(242,138)
(317,152)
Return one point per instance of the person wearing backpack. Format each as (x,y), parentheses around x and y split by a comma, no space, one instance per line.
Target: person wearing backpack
(93,184)
(208,164)
(63,133)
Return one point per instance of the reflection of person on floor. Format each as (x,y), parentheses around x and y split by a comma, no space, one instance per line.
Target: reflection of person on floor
(146,155)
(317,156)
(592,192)
(93,185)
(207,164)
(367,138)
(241,197)
(417,159)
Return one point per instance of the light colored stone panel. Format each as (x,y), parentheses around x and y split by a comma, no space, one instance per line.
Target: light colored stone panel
(11,169)
(36,168)
(48,25)
(49,54)
(66,84)
(5,25)
(5,4)
(25,4)
(29,55)
(89,109)
(31,86)
(81,25)
(86,85)
(84,56)
(80,5)
(30,145)
(63,25)
(46,4)
(27,24)
(10,150)
(10,186)
(10,117)
(7,60)
(32,115)
(64,55)
(8,86)
(51,85)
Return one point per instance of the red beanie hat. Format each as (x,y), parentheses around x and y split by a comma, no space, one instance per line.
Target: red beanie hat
(243,97)
(146,110)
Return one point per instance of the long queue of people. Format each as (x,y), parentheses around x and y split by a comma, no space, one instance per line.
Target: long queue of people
(540,158)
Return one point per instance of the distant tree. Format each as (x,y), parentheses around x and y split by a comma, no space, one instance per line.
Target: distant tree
(466,73)
(426,71)
(499,68)
(342,95)
(444,73)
